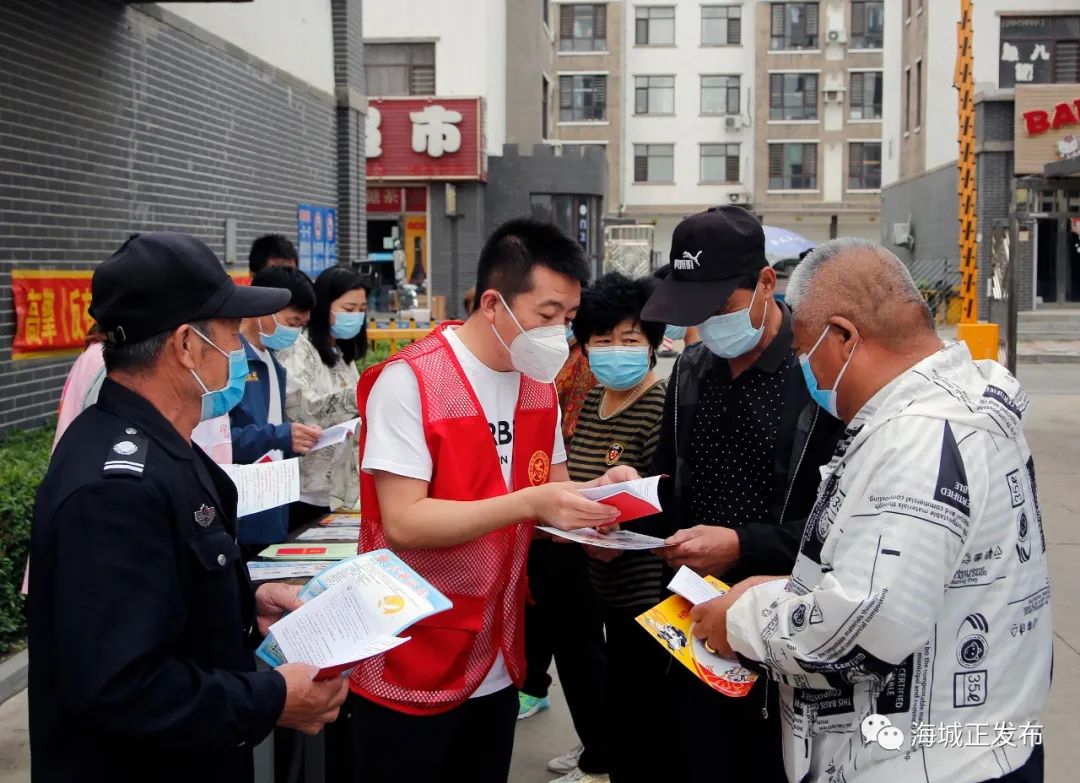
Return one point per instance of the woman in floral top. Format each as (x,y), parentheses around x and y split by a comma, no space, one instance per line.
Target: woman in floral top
(321,378)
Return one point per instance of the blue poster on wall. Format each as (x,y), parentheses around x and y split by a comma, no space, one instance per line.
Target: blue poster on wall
(316,233)
(304,233)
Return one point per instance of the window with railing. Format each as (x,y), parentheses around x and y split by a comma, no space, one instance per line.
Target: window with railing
(582,98)
(793,166)
(793,96)
(864,165)
(583,28)
(867,24)
(865,95)
(794,26)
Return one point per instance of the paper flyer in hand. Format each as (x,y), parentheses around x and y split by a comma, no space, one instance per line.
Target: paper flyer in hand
(302,551)
(615,539)
(669,624)
(634,499)
(352,610)
(331,436)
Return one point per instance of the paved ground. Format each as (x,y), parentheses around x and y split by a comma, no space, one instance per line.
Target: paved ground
(1054,434)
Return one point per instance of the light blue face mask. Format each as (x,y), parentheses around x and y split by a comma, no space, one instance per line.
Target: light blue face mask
(569,332)
(732,334)
(826,398)
(673,332)
(221,401)
(281,338)
(619,367)
(347,325)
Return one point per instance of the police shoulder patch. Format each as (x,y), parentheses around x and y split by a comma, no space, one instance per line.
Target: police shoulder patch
(126,455)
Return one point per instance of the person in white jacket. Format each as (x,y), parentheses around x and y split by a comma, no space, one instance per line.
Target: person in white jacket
(913,638)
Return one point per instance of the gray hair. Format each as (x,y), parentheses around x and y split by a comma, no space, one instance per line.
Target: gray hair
(862,281)
(142,355)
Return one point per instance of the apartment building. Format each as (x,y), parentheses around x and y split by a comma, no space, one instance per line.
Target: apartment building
(584,104)
(819,102)
(1026,65)
(688,141)
(462,102)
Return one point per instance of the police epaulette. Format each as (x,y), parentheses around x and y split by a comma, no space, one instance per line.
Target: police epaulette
(127,455)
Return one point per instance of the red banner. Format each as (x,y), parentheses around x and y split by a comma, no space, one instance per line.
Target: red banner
(425,139)
(52,311)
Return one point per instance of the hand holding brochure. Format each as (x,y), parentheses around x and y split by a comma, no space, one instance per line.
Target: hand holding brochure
(353,610)
(669,623)
(615,539)
(331,436)
(634,499)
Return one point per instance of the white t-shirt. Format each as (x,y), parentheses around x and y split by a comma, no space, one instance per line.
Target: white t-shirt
(273,414)
(396,443)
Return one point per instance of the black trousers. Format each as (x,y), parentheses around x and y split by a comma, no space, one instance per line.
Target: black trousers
(637,701)
(733,730)
(564,622)
(473,742)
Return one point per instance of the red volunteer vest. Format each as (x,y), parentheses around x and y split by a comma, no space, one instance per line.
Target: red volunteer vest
(451,653)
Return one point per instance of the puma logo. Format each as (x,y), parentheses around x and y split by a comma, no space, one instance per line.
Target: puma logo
(688,261)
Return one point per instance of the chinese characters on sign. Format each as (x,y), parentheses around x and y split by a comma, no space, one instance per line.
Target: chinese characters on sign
(52,310)
(425,138)
(316,234)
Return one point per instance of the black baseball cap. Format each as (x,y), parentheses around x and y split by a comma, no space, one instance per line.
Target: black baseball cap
(710,253)
(159,281)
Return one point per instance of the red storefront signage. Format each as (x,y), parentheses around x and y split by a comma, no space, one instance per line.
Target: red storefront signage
(425,139)
(1041,121)
(52,311)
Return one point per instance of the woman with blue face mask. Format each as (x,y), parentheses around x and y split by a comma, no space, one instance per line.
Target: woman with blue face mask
(619,424)
(258,423)
(321,389)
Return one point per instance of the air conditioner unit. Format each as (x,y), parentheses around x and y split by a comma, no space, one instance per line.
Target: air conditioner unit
(733,122)
(903,235)
(836,37)
(739,197)
(835,95)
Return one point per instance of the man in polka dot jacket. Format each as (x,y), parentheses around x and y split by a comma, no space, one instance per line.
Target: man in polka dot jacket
(743,443)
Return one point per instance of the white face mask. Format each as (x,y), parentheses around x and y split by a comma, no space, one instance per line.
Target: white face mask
(539,353)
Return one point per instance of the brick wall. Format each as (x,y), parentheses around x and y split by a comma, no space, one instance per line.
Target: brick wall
(119,118)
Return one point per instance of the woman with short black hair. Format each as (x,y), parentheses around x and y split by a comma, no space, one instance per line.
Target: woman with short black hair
(321,389)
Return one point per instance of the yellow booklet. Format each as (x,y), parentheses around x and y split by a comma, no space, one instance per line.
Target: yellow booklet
(669,624)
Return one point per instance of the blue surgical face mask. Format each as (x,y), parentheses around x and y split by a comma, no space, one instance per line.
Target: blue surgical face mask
(221,401)
(673,332)
(569,332)
(732,334)
(281,338)
(826,398)
(619,367)
(347,325)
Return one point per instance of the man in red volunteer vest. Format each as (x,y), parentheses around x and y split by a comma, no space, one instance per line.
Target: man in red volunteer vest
(461,452)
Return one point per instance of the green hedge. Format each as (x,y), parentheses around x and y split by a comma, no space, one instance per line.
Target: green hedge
(24,457)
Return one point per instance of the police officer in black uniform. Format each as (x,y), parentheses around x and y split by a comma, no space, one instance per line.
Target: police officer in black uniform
(142,616)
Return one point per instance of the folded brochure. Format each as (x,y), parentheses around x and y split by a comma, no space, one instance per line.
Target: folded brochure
(615,539)
(634,499)
(352,610)
(304,551)
(669,624)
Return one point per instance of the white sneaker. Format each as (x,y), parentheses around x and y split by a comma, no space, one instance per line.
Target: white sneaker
(566,762)
(577,776)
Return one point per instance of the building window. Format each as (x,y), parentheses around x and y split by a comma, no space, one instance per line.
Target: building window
(918,94)
(583,28)
(864,165)
(720,94)
(793,166)
(395,69)
(867,24)
(794,26)
(719,163)
(721,25)
(654,95)
(545,107)
(654,163)
(866,95)
(545,12)
(793,96)
(907,100)
(582,98)
(1039,50)
(654,25)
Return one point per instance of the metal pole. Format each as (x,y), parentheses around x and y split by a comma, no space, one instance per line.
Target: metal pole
(455,298)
